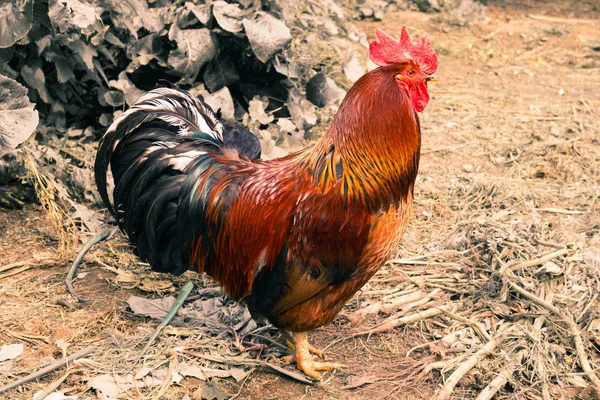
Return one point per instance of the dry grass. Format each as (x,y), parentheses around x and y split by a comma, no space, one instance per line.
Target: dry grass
(56,210)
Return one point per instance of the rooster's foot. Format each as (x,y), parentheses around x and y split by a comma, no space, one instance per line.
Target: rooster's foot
(304,360)
(311,349)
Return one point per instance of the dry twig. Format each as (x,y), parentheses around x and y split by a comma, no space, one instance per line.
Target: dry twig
(185,292)
(536,261)
(575,332)
(499,381)
(446,391)
(563,20)
(560,211)
(54,385)
(473,324)
(391,324)
(94,240)
(49,368)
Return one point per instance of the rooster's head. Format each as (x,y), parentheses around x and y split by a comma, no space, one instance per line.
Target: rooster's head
(413,64)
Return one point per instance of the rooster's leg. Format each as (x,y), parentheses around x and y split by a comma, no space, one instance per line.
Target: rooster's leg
(304,359)
(289,342)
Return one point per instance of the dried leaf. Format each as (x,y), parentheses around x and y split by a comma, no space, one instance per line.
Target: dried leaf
(256,110)
(289,70)
(267,35)
(155,308)
(205,374)
(228,16)
(85,51)
(67,15)
(357,381)
(33,76)
(286,125)
(137,62)
(114,98)
(87,217)
(195,47)
(221,100)
(155,285)
(53,396)
(220,72)
(135,15)
(200,11)
(321,90)
(18,119)
(16,19)
(62,345)
(64,69)
(82,275)
(213,392)
(10,351)
(131,92)
(354,68)
(549,268)
(149,44)
(110,386)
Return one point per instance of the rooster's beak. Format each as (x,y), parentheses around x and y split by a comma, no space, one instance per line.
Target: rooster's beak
(431,78)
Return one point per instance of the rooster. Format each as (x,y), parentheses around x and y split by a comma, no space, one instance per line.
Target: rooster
(293,238)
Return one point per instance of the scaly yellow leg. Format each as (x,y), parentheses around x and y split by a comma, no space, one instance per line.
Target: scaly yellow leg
(298,342)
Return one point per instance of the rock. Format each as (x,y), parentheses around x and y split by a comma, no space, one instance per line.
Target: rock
(321,91)
(366,12)
(73,133)
(460,12)
(315,90)
(354,69)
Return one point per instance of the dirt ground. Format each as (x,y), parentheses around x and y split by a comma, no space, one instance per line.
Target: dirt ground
(510,147)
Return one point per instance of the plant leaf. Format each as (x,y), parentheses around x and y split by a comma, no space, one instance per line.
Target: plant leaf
(267,35)
(205,374)
(155,308)
(256,109)
(33,76)
(18,119)
(53,396)
(10,351)
(195,47)
(131,92)
(67,15)
(64,69)
(221,100)
(286,125)
(200,11)
(114,98)
(228,16)
(149,44)
(212,391)
(111,386)
(220,72)
(134,15)
(16,19)
(85,51)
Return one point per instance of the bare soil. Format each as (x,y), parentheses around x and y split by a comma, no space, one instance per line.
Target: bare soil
(510,144)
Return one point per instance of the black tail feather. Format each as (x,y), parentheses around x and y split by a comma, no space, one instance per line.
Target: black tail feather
(149,148)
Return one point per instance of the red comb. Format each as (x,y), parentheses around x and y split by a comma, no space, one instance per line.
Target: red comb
(386,50)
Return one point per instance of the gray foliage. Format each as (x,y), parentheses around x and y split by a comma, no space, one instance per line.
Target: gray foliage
(18,119)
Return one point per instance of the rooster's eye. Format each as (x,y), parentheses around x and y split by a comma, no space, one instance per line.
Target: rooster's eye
(411,72)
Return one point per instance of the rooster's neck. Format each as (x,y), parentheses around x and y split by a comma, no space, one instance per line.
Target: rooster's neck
(371,152)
